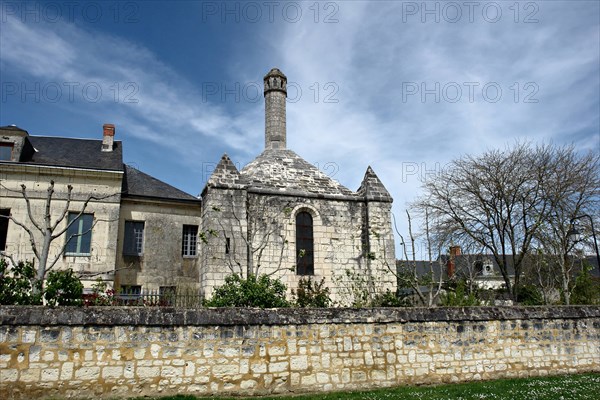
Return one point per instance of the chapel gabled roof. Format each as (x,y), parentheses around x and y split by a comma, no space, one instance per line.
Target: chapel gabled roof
(372,189)
(284,171)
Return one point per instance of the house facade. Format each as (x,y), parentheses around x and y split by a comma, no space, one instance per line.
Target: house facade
(115,218)
(279,215)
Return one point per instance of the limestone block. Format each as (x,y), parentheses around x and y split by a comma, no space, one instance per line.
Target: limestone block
(298,363)
(9,375)
(87,373)
(147,372)
(112,372)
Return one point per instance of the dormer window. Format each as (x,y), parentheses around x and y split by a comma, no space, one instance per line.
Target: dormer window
(6,151)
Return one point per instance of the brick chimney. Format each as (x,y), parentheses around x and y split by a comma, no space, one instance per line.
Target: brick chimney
(108,137)
(275,95)
(451,264)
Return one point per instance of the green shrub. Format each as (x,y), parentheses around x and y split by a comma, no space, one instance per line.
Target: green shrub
(261,291)
(389,299)
(311,294)
(586,289)
(63,288)
(16,284)
(529,295)
(458,295)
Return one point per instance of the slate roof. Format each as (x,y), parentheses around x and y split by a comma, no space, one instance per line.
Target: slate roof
(464,261)
(284,171)
(87,154)
(138,184)
(75,153)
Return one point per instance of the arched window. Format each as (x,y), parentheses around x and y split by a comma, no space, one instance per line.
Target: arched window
(305,261)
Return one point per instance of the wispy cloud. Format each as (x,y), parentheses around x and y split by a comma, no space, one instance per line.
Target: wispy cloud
(357,77)
(547,72)
(138,91)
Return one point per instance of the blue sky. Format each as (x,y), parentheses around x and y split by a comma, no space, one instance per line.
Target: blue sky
(402,86)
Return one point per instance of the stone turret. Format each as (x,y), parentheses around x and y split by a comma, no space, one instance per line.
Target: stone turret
(275,95)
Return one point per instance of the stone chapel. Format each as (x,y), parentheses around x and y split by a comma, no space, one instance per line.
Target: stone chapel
(282,216)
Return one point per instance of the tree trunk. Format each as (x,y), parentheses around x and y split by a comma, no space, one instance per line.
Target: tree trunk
(565,280)
(43,261)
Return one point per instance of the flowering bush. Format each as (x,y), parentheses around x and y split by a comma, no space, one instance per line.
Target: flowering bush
(100,296)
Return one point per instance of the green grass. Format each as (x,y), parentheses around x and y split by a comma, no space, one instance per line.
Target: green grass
(571,387)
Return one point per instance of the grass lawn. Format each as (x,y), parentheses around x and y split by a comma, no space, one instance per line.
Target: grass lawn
(571,387)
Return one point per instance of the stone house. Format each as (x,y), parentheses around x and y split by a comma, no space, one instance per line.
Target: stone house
(120,237)
(279,215)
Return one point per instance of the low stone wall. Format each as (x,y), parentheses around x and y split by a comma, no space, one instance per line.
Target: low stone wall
(105,352)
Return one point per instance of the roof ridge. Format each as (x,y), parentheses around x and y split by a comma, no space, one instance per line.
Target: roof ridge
(68,138)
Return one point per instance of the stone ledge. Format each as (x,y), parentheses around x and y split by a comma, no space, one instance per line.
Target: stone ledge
(143,316)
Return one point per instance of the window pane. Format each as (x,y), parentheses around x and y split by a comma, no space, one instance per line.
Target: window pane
(304,244)
(128,238)
(71,232)
(3,227)
(138,233)
(86,231)
(5,151)
(132,290)
(129,294)
(79,234)
(189,240)
(133,243)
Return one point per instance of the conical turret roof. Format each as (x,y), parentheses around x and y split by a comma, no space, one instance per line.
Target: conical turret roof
(372,189)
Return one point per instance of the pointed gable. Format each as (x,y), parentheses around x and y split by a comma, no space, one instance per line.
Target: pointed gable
(372,189)
(225,175)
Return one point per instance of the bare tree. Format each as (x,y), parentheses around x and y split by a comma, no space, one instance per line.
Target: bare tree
(263,230)
(49,228)
(500,200)
(425,278)
(469,265)
(573,189)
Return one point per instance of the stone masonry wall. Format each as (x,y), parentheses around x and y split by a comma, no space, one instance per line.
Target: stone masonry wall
(338,240)
(101,260)
(107,352)
(161,262)
(223,218)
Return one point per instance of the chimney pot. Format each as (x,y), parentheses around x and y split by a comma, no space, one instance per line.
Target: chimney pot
(455,251)
(108,138)
(451,263)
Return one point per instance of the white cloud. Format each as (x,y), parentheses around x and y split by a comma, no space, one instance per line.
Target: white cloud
(370,52)
(365,57)
(153,100)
